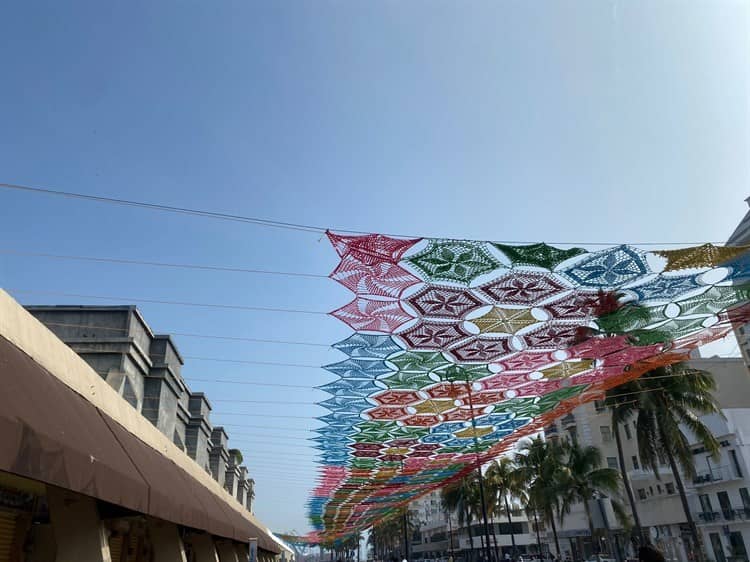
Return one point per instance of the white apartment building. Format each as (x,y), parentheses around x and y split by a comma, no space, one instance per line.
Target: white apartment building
(440,535)
(719,497)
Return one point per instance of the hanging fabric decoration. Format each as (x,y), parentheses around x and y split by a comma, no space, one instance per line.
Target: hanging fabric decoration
(461,348)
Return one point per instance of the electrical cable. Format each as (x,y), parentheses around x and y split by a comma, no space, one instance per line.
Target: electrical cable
(248,414)
(250,362)
(280,224)
(251,383)
(242,435)
(174,303)
(187,335)
(281,428)
(163,264)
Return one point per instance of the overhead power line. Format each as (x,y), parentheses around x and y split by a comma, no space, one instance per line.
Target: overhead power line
(122,261)
(188,335)
(280,224)
(170,302)
(251,383)
(164,208)
(251,362)
(248,414)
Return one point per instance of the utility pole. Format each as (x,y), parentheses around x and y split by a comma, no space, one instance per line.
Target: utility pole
(450,531)
(406,532)
(487,548)
(405,522)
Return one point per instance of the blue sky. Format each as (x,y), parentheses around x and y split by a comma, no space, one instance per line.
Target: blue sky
(542,121)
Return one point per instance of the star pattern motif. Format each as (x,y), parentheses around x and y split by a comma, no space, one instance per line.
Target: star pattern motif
(505,320)
(443,302)
(453,260)
(523,289)
(609,268)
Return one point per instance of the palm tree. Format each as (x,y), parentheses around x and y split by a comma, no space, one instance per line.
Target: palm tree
(619,408)
(583,479)
(459,497)
(502,480)
(386,534)
(661,401)
(539,467)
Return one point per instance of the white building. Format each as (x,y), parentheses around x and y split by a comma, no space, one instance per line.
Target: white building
(719,497)
(439,535)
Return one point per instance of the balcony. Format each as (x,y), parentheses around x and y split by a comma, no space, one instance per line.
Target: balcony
(708,516)
(716,474)
(725,515)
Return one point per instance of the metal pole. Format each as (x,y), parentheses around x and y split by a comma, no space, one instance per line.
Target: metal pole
(406,534)
(450,531)
(605,519)
(488,550)
(405,523)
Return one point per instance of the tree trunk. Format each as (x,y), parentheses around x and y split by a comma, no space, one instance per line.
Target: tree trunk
(554,534)
(494,539)
(694,533)
(538,537)
(468,530)
(637,528)
(595,549)
(510,525)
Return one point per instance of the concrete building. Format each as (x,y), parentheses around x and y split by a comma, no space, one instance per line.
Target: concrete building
(146,370)
(439,535)
(719,497)
(85,477)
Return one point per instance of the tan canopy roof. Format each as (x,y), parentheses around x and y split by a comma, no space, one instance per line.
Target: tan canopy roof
(53,434)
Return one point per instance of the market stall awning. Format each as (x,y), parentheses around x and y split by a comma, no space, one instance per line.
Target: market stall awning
(54,435)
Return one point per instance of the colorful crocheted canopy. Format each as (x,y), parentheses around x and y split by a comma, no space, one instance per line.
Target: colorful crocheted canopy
(461,348)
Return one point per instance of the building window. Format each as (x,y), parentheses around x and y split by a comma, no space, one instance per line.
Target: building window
(670,487)
(641,493)
(599,406)
(705,503)
(612,462)
(636,466)
(725,505)
(628,435)
(717,547)
(606,433)
(735,463)
(745,496)
(737,545)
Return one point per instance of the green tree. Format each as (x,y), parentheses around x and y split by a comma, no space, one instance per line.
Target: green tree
(582,478)
(460,497)
(502,478)
(539,470)
(662,401)
(387,535)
